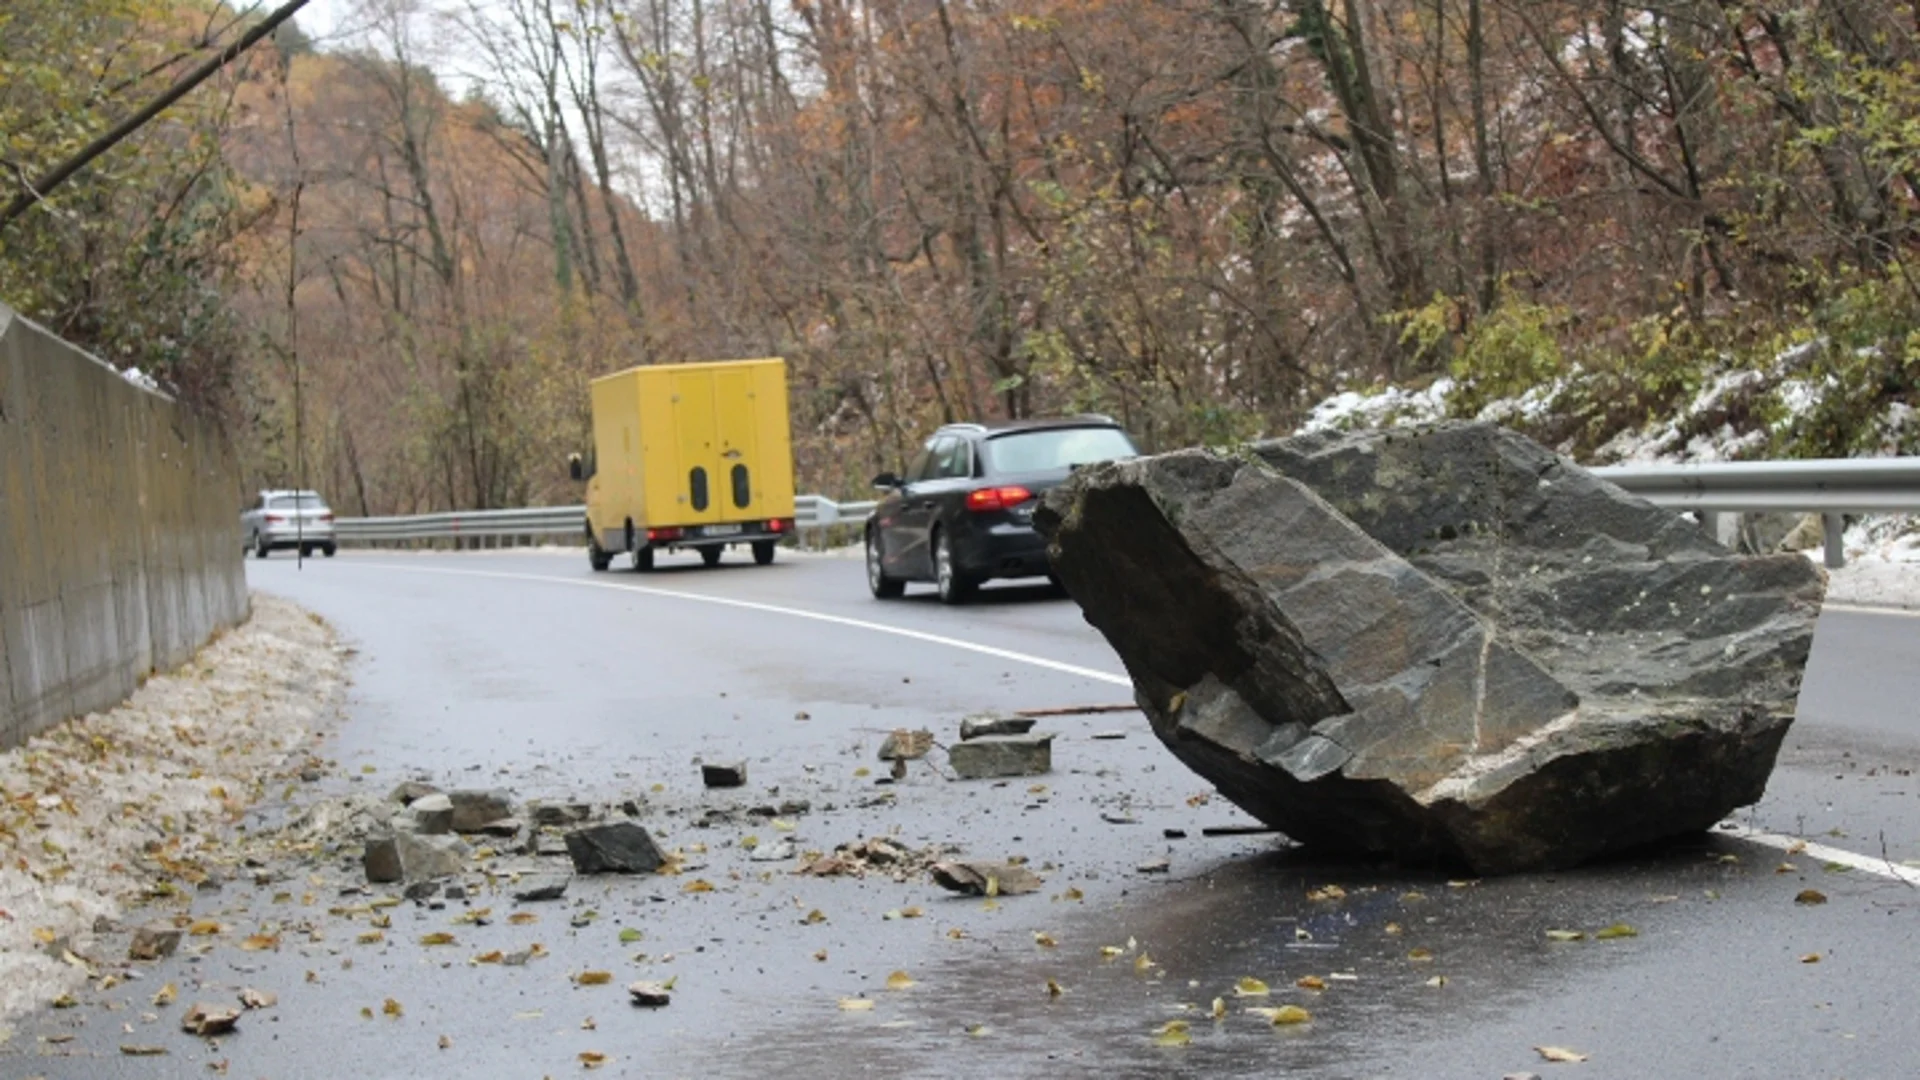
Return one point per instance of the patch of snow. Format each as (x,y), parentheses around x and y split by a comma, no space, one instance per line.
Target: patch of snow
(91,806)
(1352,409)
(1532,406)
(140,378)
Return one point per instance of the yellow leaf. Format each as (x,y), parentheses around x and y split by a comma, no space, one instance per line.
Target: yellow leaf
(1810,958)
(438,937)
(1290,1014)
(993,886)
(65,1001)
(1310,982)
(381,922)
(1054,989)
(260,942)
(899,980)
(372,937)
(1249,986)
(1810,896)
(44,935)
(591,1060)
(204,928)
(1559,1053)
(697,885)
(977,1030)
(911,912)
(1074,894)
(522,918)
(821,956)
(392,1008)
(862,771)
(1437,980)
(1565,935)
(1391,928)
(1108,952)
(1172,1033)
(493,957)
(1143,964)
(814,916)
(1219,1008)
(166,994)
(1044,940)
(856,1004)
(366,1013)
(783,825)
(1420,956)
(594,978)
(1617,930)
(956,933)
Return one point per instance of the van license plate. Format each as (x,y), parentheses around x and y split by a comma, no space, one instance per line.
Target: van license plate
(721,530)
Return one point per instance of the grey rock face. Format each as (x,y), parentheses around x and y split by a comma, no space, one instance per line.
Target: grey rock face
(424,858)
(975,726)
(1002,755)
(382,860)
(473,810)
(728,774)
(432,814)
(1444,643)
(619,847)
(155,941)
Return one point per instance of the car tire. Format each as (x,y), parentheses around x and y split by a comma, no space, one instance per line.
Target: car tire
(328,550)
(878,583)
(711,555)
(597,558)
(955,587)
(260,547)
(642,559)
(763,552)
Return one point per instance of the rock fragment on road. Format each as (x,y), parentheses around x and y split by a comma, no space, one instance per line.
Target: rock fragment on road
(209,1020)
(542,887)
(973,727)
(155,941)
(992,756)
(473,810)
(432,814)
(409,857)
(724,775)
(653,995)
(985,878)
(617,847)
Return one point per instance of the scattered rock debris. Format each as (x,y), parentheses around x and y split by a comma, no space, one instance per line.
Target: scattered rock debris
(986,878)
(994,756)
(727,775)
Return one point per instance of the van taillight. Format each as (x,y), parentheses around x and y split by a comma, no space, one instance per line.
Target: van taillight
(663,534)
(777,525)
(327,518)
(276,519)
(997,498)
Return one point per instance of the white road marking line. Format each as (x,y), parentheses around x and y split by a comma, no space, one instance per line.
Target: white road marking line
(1869,609)
(1838,856)
(776,609)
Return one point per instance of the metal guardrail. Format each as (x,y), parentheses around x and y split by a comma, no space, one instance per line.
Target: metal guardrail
(1829,487)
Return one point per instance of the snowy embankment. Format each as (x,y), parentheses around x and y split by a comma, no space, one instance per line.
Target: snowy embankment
(128,809)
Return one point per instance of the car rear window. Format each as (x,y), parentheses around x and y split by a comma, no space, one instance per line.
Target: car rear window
(296,502)
(1049,449)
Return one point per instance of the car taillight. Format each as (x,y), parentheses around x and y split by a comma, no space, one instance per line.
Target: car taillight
(997,498)
(328,518)
(778,525)
(276,519)
(663,534)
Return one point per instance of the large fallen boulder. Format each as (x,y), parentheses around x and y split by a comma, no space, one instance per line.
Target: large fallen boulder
(1445,643)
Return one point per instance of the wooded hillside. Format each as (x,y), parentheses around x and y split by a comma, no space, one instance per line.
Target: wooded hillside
(1200,217)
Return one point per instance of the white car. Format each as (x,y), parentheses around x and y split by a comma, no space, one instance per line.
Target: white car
(288,519)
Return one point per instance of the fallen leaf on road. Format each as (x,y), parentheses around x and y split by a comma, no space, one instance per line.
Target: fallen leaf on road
(594,978)
(1328,892)
(493,957)
(591,1060)
(630,935)
(1566,935)
(1143,964)
(258,999)
(1219,1008)
(1810,896)
(1420,956)
(134,1050)
(65,1001)
(1172,1033)
(446,1043)
(392,1008)
(1310,982)
(166,995)
(372,937)
(856,1004)
(1810,958)
(522,918)
(813,917)
(260,942)
(204,928)
(1044,940)
(1054,989)
(821,956)
(1285,1014)
(438,937)
(1559,1053)
(899,980)
(1617,930)
(1108,952)
(1437,980)
(1248,986)
(697,885)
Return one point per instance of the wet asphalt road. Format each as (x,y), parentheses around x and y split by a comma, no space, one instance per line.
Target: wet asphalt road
(528,672)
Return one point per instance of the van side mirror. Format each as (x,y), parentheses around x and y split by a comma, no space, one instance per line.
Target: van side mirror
(886,481)
(574,468)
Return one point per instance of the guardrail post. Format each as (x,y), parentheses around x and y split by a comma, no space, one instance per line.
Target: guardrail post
(1833,530)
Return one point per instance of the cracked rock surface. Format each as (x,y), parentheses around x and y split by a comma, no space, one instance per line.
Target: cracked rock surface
(1445,643)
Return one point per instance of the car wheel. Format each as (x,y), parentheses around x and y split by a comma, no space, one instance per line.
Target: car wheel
(882,586)
(711,555)
(597,558)
(260,547)
(328,551)
(955,587)
(763,552)
(643,559)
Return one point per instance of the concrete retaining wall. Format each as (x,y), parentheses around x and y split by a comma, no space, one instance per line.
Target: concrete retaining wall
(119,532)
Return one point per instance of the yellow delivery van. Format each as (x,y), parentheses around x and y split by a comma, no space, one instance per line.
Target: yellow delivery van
(689,456)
